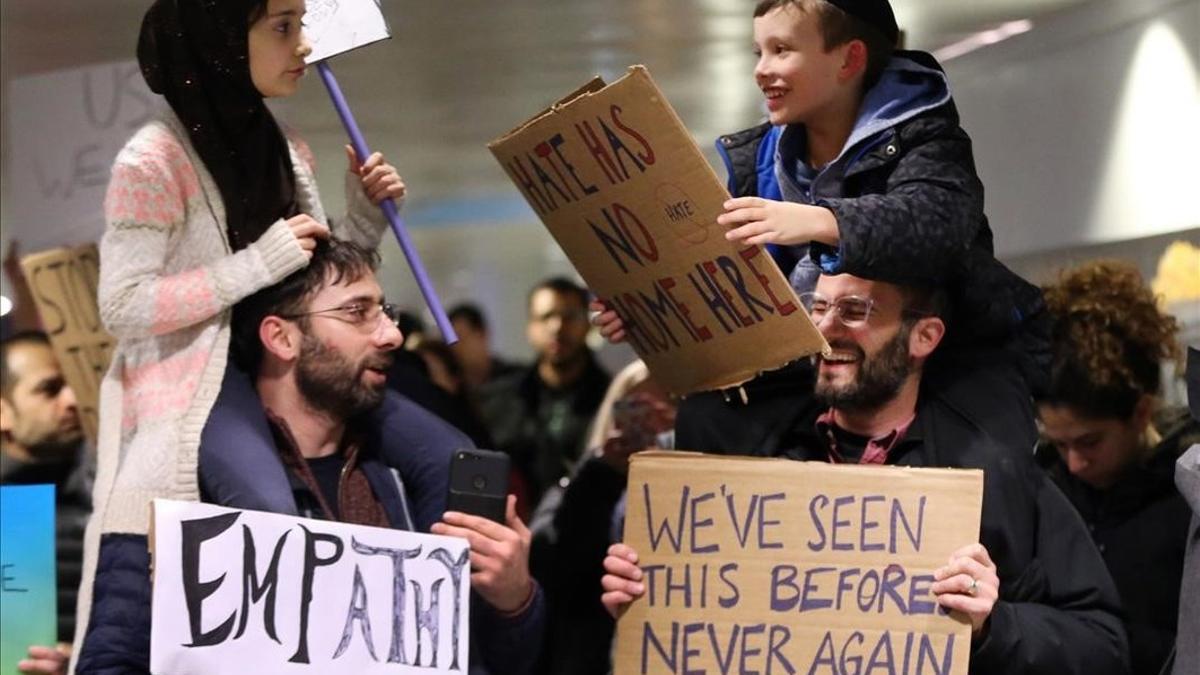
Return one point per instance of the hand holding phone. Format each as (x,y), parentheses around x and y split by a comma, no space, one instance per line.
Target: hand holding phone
(478,483)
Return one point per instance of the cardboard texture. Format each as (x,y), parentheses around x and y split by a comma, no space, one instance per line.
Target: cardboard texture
(253,592)
(618,181)
(63,283)
(776,566)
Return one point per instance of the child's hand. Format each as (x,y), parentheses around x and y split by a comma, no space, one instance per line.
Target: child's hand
(608,321)
(765,221)
(379,179)
(307,231)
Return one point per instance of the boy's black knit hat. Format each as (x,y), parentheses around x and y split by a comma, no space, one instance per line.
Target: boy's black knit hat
(876,13)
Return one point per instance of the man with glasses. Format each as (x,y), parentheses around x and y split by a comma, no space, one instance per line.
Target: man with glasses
(317,347)
(1034,589)
(540,415)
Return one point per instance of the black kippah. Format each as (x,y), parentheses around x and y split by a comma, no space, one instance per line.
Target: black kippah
(876,13)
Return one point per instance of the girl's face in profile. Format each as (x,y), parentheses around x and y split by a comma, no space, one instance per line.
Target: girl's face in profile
(277,48)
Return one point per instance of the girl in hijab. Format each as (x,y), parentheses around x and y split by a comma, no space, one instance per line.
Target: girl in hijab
(208,204)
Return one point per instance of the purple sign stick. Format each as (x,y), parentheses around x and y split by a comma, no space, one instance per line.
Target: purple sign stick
(389,207)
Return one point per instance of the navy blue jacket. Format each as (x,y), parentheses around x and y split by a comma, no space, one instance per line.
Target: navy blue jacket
(408,466)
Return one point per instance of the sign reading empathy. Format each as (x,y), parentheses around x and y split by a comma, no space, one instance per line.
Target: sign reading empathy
(617,179)
(63,283)
(252,592)
(776,566)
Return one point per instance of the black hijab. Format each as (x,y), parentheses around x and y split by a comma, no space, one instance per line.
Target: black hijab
(195,54)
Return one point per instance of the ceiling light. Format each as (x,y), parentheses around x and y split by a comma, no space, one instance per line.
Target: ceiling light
(982,39)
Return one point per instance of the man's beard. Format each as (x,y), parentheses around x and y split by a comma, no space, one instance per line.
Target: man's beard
(331,384)
(62,443)
(878,380)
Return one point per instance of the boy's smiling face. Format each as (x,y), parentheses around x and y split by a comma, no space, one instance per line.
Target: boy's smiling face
(800,79)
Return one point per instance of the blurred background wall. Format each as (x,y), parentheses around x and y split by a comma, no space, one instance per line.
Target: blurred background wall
(1083,114)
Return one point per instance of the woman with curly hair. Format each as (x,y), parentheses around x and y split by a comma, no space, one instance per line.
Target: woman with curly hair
(1110,448)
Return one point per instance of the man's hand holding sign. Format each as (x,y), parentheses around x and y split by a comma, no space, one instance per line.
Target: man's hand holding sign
(782,566)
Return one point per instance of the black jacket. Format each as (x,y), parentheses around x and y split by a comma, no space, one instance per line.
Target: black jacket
(1140,525)
(542,429)
(1058,610)
(567,558)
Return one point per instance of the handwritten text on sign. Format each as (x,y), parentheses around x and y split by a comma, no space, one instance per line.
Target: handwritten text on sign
(245,591)
(774,566)
(622,187)
(65,129)
(63,283)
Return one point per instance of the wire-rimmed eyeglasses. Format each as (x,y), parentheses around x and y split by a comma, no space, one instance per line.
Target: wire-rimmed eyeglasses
(363,315)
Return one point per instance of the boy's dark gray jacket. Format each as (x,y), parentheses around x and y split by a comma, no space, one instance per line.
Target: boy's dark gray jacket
(904,188)
(909,205)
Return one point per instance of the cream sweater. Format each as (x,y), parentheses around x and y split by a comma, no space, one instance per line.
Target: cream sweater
(168,282)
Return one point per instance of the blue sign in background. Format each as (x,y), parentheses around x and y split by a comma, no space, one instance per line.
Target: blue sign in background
(28,609)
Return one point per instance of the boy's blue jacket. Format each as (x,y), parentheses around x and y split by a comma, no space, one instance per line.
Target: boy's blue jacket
(908,202)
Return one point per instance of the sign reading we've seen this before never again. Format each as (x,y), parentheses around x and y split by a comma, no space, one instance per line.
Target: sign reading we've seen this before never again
(777,566)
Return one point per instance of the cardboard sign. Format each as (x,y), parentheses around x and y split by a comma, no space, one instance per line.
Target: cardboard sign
(251,592)
(616,178)
(64,131)
(776,566)
(336,26)
(28,594)
(63,283)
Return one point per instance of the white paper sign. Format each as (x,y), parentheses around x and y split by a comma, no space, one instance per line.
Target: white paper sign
(336,26)
(253,592)
(64,130)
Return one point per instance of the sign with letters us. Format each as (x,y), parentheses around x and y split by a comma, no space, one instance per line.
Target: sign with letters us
(252,592)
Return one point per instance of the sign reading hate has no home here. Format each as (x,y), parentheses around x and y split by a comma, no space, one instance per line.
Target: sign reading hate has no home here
(616,178)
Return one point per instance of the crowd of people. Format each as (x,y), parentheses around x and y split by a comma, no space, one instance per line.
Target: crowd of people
(259,366)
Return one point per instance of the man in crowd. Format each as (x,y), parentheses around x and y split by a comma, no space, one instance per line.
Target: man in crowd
(539,416)
(474,350)
(317,348)
(42,442)
(1034,588)
(319,345)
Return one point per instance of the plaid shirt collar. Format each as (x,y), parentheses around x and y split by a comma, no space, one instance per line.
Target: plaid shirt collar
(877,448)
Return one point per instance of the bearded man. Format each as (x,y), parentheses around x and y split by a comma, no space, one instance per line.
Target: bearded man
(334,444)
(1033,586)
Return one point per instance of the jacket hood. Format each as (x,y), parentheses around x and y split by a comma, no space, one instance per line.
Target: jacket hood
(912,84)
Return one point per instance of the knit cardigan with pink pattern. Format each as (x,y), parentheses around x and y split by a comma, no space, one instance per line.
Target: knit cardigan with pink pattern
(168,281)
